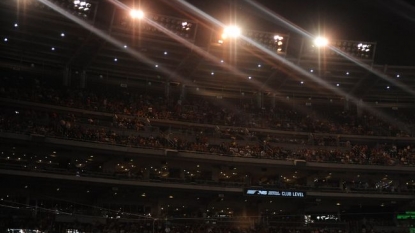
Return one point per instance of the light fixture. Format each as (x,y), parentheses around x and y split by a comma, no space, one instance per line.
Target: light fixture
(271,41)
(181,27)
(62,34)
(136,14)
(231,31)
(186,26)
(82,8)
(362,50)
(321,41)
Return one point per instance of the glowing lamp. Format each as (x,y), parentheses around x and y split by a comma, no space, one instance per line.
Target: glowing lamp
(136,14)
(231,31)
(321,42)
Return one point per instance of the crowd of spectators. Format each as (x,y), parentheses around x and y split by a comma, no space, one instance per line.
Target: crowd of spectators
(208,111)
(77,127)
(221,130)
(73,127)
(48,224)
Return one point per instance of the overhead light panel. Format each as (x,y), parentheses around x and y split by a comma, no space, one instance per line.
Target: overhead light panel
(231,32)
(275,42)
(136,14)
(321,41)
(182,27)
(360,50)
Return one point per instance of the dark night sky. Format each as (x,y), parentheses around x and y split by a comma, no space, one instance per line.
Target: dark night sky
(389,23)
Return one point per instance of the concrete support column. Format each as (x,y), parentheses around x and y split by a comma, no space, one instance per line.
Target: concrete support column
(66,79)
(82,82)
(167,90)
(346,104)
(183,93)
(259,99)
(273,100)
(359,109)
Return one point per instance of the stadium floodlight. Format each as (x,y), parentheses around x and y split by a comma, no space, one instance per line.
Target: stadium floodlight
(182,27)
(81,8)
(362,50)
(321,41)
(82,5)
(231,31)
(357,49)
(136,14)
(273,41)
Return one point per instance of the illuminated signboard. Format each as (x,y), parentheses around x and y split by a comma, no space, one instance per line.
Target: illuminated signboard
(274,193)
(407,215)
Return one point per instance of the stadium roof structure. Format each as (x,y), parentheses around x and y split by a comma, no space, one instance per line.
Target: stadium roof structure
(101,42)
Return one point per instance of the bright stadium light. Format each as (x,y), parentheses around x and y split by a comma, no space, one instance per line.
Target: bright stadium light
(82,5)
(272,41)
(81,8)
(231,31)
(182,27)
(136,14)
(321,41)
(357,49)
(361,50)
